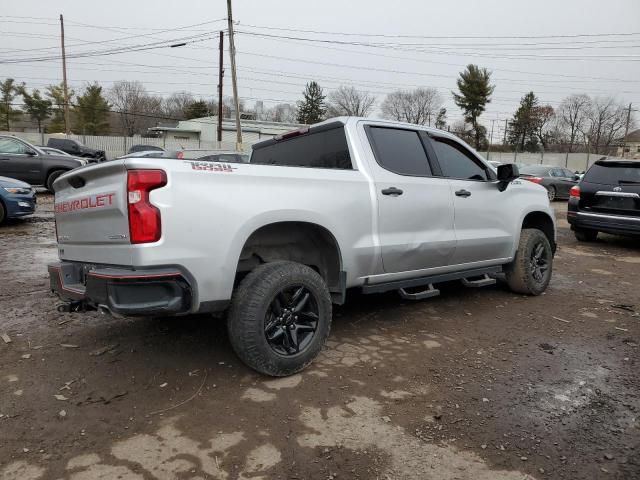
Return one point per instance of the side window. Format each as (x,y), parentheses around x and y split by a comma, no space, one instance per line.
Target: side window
(10,145)
(399,151)
(567,173)
(456,162)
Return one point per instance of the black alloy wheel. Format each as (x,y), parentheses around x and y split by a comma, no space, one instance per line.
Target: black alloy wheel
(539,262)
(291,320)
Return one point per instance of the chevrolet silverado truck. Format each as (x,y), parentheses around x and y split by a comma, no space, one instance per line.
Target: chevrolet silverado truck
(274,243)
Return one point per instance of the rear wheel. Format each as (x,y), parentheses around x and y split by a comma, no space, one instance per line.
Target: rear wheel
(551,193)
(585,235)
(530,271)
(52,178)
(280,318)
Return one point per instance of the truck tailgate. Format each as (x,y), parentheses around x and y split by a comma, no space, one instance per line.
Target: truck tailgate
(91,213)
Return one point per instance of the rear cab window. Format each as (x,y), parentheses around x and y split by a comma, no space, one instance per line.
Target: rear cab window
(324,146)
(614,173)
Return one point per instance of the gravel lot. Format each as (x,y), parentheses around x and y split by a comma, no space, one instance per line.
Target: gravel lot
(474,384)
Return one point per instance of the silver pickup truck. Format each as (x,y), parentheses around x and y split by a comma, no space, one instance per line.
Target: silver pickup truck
(346,203)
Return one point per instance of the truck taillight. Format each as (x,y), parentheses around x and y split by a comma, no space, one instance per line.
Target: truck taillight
(144,219)
(574,192)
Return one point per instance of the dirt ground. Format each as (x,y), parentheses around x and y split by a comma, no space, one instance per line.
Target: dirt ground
(474,384)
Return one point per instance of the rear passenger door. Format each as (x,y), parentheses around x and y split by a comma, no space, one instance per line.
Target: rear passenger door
(482,227)
(415,207)
(16,162)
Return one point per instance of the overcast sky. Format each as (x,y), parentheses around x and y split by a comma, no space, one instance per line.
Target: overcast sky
(398,53)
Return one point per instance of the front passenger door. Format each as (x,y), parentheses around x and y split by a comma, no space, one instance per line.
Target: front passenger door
(16,162)
(484,231)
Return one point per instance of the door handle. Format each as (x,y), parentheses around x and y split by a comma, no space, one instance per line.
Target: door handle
(393,191)
(463,193)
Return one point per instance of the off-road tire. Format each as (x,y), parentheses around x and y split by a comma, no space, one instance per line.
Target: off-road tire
(249,304)
(53,176)
(585,235)
(551,193)
(519,275)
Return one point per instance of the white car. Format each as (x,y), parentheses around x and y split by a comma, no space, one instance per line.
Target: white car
(346,203)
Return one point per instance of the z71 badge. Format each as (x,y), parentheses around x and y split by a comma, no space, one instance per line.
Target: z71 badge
(211,166)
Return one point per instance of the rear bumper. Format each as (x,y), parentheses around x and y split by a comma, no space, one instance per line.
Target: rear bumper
(615,224)
(127,292)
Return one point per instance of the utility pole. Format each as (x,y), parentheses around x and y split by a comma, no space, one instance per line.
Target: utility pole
(626,132)
(234,80)
(64,78)
(504,140)
(220,77)
(490,140)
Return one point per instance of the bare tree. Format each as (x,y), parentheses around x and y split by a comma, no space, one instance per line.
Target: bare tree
(605,123)
(543,124)
(572,115)
(136,108)
(419,106)
(349,101)
(176,105)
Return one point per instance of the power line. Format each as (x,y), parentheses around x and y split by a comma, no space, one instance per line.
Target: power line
(469,37)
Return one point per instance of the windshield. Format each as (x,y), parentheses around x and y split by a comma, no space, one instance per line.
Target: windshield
(534,170)
(614,173)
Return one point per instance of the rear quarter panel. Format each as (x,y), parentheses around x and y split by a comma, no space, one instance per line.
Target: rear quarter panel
(209,212)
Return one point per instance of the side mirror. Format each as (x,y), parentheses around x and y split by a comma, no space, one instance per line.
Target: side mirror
(506,174)
(31,153)
(576,178)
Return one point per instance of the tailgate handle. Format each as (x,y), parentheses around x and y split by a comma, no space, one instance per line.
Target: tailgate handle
(76,182)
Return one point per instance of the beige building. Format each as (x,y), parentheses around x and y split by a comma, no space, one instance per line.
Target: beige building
(631,146)
(204,130)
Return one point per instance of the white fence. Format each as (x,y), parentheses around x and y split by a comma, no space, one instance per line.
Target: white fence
(573,161)
(117,146)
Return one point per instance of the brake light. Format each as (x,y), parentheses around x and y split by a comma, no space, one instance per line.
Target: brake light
(574,192)
(144,219)
(533,179)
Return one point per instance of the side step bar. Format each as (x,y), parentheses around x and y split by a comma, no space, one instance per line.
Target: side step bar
(464,275)
(483,281)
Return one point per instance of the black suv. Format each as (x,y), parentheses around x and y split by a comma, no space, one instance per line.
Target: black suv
(23,161)
(606,200)
(75,148)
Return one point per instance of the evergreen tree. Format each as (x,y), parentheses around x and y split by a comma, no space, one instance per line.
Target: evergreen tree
(92,112)
(312,109)
(56,94)
(8,91)
(197,109)
(38,108)
(475,92)
(523,125)
(441,119)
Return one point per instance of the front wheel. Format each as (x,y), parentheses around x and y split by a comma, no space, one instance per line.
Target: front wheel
(530,271)
(53,176)
(280,318)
